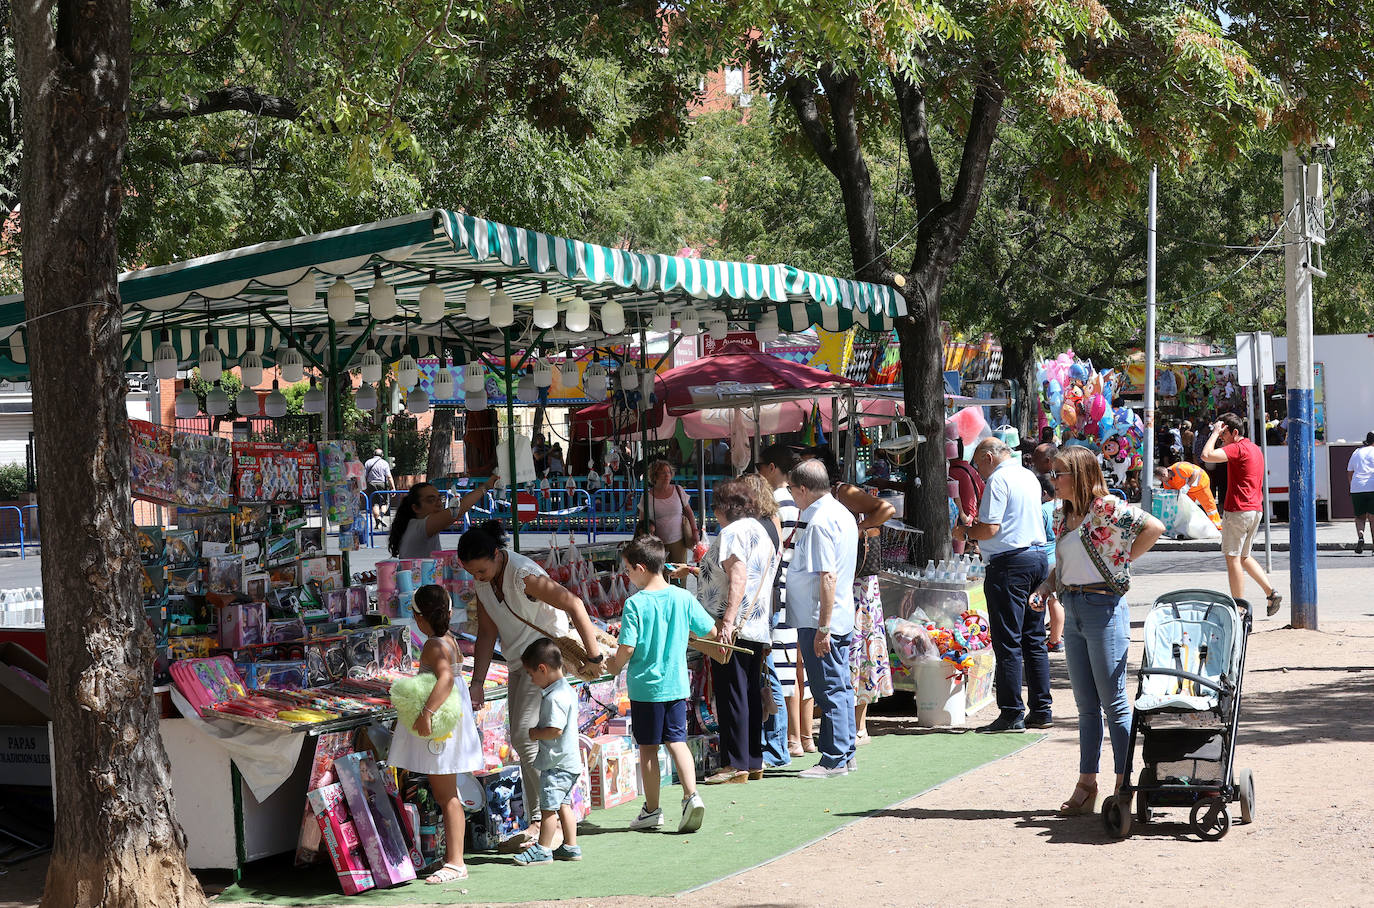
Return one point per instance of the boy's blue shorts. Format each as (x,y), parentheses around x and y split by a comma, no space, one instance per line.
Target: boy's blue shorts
(658,723)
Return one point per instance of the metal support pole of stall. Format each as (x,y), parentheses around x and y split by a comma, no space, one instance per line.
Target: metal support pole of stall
(1147,471)
(513,484)
(334,395)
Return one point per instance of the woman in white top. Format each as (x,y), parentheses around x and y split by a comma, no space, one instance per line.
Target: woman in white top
(665,507)
(514,593)
(422,517)
(1097,537)
(736,588)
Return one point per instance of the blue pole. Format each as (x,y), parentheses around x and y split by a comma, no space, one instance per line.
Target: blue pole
(1302,509)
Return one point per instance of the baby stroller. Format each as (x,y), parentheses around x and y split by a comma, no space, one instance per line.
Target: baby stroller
(1187,710)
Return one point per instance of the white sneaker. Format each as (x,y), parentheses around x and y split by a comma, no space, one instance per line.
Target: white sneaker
(821,772)
(648,820)
(693,811)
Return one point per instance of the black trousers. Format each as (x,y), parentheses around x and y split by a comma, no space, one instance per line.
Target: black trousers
(739,707)
(1018,631)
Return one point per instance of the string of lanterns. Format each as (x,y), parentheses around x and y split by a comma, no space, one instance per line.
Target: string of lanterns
(480,303)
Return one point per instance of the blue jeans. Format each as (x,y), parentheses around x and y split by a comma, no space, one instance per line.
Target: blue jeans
(775,752)
(1018,632)
(833,689)
(1097,635)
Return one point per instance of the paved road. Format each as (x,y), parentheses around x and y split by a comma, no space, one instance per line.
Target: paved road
(1344,580)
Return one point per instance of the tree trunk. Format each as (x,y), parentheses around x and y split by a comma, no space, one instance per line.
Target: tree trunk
(440,461)
(1018,364)
(117,840)
(923,385)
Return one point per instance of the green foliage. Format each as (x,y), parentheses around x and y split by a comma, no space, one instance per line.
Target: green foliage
(14,481)
(229,382)
(409,448)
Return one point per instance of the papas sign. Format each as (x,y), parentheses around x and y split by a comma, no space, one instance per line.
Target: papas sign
(746,339)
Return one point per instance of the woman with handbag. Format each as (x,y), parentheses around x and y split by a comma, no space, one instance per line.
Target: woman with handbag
(869,665)
(1097,536)
(735,585)
(667,509)
(517,603)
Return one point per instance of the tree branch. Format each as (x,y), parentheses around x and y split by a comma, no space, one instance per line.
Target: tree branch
(802,96)
(235,98)
(925,173)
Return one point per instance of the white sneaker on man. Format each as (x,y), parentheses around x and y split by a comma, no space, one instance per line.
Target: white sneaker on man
(822,772)
(647,819)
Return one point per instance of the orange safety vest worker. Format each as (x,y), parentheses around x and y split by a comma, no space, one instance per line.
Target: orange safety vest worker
(1194,479)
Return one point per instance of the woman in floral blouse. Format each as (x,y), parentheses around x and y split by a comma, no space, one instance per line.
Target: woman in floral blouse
(1097,537)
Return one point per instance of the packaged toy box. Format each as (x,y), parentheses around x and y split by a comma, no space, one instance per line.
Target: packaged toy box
(374,816)
(612,764)
(341,839)
(502,812)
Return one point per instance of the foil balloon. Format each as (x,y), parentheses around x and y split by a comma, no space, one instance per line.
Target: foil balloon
(1068,414)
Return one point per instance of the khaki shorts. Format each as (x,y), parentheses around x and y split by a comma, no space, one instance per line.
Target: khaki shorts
(1238,532)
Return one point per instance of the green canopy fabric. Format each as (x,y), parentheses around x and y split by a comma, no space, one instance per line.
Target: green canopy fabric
(240,296)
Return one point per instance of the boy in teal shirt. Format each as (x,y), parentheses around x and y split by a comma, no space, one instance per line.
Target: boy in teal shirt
(654,631)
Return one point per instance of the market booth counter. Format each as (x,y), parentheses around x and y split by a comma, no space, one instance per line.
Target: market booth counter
(953,660)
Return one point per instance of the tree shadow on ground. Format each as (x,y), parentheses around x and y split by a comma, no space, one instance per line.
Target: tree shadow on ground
(1337,709)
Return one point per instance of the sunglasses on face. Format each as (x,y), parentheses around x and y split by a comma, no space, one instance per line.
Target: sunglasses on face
(1055,474)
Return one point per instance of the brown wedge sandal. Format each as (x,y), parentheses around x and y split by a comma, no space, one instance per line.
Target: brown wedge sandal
(1077,806)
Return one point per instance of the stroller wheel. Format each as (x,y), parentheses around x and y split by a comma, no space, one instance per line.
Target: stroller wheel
(1210,819)
(1246,783)
(1142,798)
(1116,818)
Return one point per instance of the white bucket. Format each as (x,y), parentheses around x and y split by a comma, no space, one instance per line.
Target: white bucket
(939,698)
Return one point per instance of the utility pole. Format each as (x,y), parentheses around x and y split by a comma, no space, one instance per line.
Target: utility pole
(1147,470)
(1300,201)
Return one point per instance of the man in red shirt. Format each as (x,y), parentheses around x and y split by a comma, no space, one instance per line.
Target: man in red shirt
(1244,502)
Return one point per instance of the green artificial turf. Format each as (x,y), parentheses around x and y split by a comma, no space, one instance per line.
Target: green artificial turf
(746,825)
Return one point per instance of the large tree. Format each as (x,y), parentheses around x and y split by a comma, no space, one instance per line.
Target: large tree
(1103,90)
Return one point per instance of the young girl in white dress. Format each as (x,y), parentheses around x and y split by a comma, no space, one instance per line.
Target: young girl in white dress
(461,752)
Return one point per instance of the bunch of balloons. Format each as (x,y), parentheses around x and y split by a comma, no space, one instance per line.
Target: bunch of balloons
(1079,398)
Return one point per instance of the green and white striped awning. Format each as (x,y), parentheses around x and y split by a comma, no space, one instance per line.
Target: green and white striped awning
(240,296)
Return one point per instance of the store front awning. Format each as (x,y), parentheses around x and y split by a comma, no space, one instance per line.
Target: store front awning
(242,296)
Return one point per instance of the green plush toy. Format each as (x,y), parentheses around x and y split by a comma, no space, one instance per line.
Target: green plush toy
(409,696)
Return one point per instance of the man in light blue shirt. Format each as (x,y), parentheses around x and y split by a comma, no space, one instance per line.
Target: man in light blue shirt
(1010,530)
(820,605)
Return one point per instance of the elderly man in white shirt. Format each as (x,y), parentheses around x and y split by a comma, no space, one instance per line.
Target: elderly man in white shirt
(820,605)
(1010,529)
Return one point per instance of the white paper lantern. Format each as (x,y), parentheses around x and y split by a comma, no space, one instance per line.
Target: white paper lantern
(718,326)
(594,382)
(314,401)
(301,295)
(343,302)
(628,375)
(211,366)
(165,359)
(662,319)
(612,317)
(417,402)
(292,365)
(407,373)
(502,309)
(578,318)
(477,303)
(475,400)
(543,373)
(365,398)
(688,324)
(371,368)
(187,404)
(767,328)
(444,388)
(474,378)
(247,403)
(525,391)
(381,299)
(431,302)
(545,310)
(216,401)
(250,369)
(275,405)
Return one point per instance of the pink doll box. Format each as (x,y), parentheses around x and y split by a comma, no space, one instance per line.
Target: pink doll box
(242,624)
(375,819)
(341,839)
(612,764)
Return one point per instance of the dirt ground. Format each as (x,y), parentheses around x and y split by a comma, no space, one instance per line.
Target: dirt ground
(992,837)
